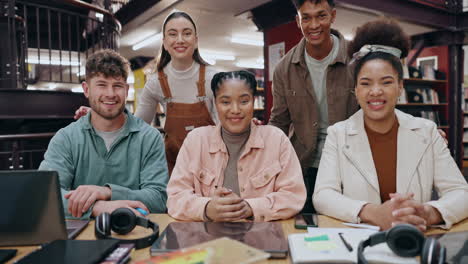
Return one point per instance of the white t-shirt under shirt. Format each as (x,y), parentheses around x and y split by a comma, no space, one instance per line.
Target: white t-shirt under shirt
(183,86)
(110,137)
(318,74)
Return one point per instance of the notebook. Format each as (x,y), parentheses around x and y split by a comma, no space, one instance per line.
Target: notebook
(456,244)
(71,252)
(121,255)
(218,251)
(74,227)
(324,245)
(265,236)
(32,210)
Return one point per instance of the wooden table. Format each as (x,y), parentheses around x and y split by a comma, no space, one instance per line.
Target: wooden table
(163,220)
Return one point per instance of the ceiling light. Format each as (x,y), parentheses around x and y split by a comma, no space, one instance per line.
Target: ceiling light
(213,55)
(147,41)
(131,94)
(210,60)
(77,89)
(249,65)
(247,41)
(53,61)
(131,79)
(139,36)
(348,37)
(99,16)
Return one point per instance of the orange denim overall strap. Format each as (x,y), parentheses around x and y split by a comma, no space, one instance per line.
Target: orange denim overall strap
(181,118)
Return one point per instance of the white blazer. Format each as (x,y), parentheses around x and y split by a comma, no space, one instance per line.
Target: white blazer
(347,178)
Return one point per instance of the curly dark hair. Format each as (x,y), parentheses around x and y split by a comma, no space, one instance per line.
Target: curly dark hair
(107,62)
(299,3)
(383,31)
(220,77)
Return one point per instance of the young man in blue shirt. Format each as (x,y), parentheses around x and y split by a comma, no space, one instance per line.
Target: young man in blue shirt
(108,159)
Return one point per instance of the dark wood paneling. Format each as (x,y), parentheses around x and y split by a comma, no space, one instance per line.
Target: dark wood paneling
(288,33)
(27,104)
(273,13)
(133,9)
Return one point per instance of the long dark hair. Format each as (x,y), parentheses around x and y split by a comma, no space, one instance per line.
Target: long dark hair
(164,57)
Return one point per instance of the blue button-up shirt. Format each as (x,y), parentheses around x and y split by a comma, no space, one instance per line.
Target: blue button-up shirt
(134,168)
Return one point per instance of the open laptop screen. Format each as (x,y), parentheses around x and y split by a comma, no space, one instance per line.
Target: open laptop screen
(32,211)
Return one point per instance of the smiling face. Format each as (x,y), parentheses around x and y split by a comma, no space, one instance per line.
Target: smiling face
(180,38)
(235,105)
(377,91)
(106,95)
(315,20)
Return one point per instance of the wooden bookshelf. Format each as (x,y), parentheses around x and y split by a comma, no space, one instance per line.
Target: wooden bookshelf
(426,99)
(260,97)
(424,81)
(422,104)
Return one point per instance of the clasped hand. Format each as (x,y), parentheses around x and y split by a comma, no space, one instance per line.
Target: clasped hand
(408,210)
(226,206)
(401,208)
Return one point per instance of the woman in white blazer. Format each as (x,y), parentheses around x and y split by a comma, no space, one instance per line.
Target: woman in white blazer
(413,161)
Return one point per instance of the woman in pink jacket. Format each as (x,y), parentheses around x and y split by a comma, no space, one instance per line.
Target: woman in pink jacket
(235,170)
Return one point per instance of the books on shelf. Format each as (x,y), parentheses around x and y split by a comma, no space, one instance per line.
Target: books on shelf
(465,136)
(421,94)
(427,114)
(403,98)
(259,102)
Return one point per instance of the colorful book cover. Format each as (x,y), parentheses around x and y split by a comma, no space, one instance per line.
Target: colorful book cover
(218,251)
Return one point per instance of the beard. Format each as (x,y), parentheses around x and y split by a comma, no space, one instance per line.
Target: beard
(104,113)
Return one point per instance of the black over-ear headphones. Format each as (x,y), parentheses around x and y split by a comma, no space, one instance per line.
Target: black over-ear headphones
(406,241)
(123,221)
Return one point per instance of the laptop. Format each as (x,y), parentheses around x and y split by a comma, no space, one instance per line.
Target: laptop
(266,236)
(456,244)
(32,210)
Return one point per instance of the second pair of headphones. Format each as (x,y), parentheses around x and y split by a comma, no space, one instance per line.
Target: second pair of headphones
(406,241)
(123,221)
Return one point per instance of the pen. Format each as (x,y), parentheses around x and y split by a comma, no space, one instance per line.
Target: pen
(347,245)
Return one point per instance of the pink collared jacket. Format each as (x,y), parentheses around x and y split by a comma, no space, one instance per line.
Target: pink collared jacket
(270,176)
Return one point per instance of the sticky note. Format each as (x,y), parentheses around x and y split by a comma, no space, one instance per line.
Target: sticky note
(316,238)
(319,243)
